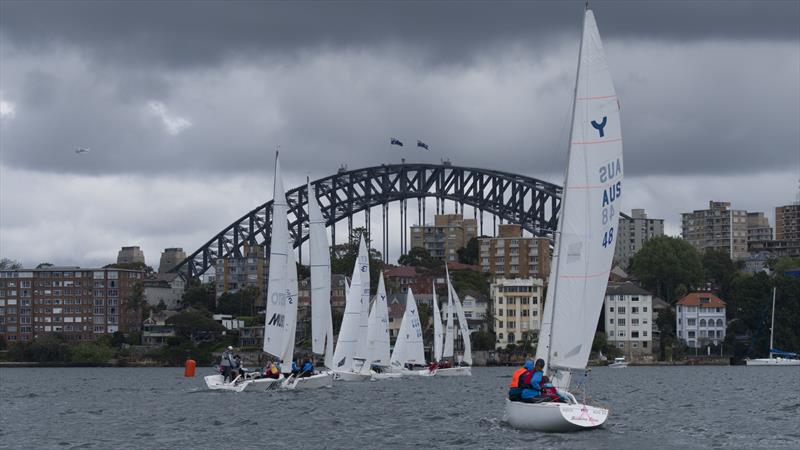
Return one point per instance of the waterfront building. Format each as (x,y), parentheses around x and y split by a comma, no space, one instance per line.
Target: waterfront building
(510,255)
(166,289)
(758,228)
(633,233)
(170,257)
(628,315)
(700,319)
(476,308)
(719,228)
(517,305)
(445,237)
(155,330)
(128,255)
(338,292)
(787,222)
(234,273)
(81,303)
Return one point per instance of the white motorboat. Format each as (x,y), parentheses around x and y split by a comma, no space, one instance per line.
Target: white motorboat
(584,243)
(619,363)
(776,357)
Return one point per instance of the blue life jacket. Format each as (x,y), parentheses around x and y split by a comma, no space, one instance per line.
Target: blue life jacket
(308,368)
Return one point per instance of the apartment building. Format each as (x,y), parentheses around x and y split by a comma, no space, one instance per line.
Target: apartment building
(633,233)
(628,315)
(517,305)
(235,273)
(445,237)
(758,228)
(787,222)
(719,228)
(700,319)
(510,255)
(81,303)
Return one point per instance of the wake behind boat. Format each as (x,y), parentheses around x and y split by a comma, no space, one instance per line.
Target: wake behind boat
(584,247)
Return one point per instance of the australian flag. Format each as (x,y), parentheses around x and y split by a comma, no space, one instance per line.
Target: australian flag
(422,144)
(395,141)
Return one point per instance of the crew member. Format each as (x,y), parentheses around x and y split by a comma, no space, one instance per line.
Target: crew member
(531,382)
(514,391)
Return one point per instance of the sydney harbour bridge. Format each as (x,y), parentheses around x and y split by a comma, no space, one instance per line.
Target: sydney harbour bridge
(529,202)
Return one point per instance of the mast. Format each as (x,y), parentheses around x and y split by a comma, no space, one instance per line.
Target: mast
(772,327)
(557,247)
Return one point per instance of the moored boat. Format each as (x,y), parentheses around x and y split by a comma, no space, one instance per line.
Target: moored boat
(619,363)
(776,357)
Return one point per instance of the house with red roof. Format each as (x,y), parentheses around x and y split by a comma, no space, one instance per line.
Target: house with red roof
(700,318)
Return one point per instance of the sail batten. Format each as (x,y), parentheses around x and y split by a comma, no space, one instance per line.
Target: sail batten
(587,227)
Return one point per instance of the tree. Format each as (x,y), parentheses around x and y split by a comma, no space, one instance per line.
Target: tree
(424,314)
(136,305)
(783,264)
(239,303)
(44,265)
(91,353)
(198,295)
(194,325)
(665,262)
(464,280)
(482,340)
(343,257)
(470,253)
(666,329)
(131,266)
(419,257)
(719,270)
(9,264)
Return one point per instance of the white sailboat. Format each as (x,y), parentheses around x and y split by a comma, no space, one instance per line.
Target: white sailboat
(584,242)
(466,359)
(438,333)
(349,358)
(783,358)
(378,335)
(408,348)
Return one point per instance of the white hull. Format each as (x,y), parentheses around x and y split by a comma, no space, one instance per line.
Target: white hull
(618,365)
(351,376)
(414,373)
(217,383)
(554,417)
(320,380)
(263,384)
(772,362)
(385,375)
(454,372)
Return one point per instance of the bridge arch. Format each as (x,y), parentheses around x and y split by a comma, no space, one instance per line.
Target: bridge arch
(527,201)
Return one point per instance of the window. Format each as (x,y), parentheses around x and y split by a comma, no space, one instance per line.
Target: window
(512,324)
(644,308)
(512,313)
(691,322)
(525,313)
(500,312)
(611,321)
(635,299)
(719,322)
(634,310)
(644,333)
(500,300)
(634,334)
(611,309)
(691,334)
(634,321)
(621,322)
(500,336)
(621,345)
(621,310)
(635,344)
(621,334)
(500,325)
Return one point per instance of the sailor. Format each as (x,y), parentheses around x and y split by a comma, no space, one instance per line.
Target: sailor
(272,371)
(227,363)
(307,369)
(295,369)
(514,391)
(531,381)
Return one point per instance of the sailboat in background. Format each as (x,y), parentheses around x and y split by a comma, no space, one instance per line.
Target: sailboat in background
(454,303)
(378,345)
(349,358)
(408,348)
(783,358)
(438,332)
(584,243)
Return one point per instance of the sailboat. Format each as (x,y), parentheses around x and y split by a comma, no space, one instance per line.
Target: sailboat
(584,243)
(783,358)
(408,348)
(454,302)
(350,356)
(378,336)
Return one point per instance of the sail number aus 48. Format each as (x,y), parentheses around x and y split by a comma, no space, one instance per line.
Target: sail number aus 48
(607,173)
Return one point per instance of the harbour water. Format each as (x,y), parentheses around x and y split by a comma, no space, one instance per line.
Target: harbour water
(651,407)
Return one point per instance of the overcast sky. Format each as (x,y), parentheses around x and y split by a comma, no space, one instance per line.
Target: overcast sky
(182,104)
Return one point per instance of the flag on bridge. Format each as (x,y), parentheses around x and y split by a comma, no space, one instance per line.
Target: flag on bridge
(422,144)
(395,141)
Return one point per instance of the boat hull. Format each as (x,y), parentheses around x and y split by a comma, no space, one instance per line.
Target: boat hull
(772,362)
(554,417)
(618,365)
(263,384)
(217,383)
(320,380)
(385,375)
(351,376)
(454,372)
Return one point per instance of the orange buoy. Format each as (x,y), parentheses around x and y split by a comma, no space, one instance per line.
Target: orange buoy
(188,370)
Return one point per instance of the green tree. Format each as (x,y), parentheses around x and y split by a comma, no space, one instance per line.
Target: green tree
(482,340)
(198,295)
(44,265)
(664,263)
(464,280)
(51,347)
(666,329)
(195,325)
(783,264)
(91,353)
(343,257)
(136,306)
(424,314)
(419,257)
(131,266)
(720,271)
(470,253)
(239,303)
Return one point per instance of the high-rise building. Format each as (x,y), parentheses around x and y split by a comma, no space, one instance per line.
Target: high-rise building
(78,302)
(445,237)
(633,233)
(787,222)
(719,228)
(130,255)
(235,273)
(758,228)
(170,257)
(517,305)
(700,319)
(628,312)
(512,256)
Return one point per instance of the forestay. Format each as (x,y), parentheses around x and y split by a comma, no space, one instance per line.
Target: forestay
(587,227)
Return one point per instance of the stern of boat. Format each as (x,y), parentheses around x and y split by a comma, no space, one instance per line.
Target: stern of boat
(552,417)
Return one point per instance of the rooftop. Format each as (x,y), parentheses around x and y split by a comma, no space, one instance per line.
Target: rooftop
(625,288)
(702,299)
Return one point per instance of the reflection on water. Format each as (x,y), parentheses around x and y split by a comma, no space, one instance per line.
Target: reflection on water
(651,407)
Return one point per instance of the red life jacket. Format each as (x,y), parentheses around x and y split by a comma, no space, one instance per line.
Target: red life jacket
(550,392)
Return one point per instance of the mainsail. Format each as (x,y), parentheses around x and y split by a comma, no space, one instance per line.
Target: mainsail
(587,226)
(449,335)
(362,263)
(409,348)
(277,327)
(378,336)
(320,261)
(290,311)
(348,332)
(437,328)
(462,325)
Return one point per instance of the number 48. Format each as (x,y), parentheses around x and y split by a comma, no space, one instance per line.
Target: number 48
(608,237)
